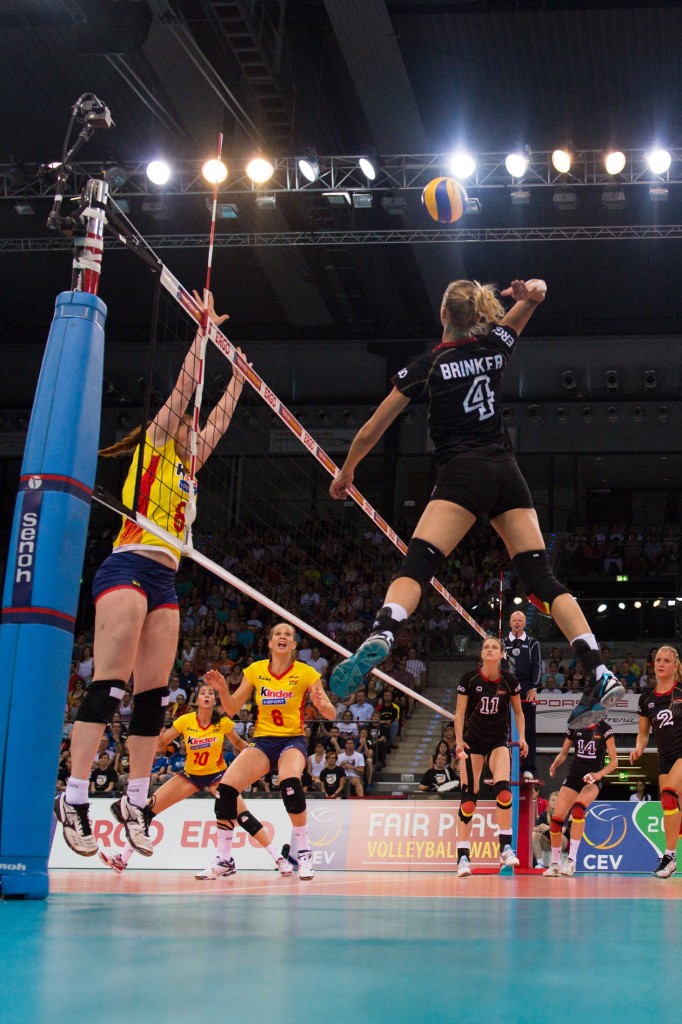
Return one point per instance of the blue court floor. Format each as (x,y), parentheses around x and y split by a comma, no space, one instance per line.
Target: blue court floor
(298,957)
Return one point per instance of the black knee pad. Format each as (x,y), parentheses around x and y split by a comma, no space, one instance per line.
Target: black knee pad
(422,561)
(149,711)
(249,823)
(503,795)
(467,805)
(293,796)
(540,582)
(101,701)
(226,803)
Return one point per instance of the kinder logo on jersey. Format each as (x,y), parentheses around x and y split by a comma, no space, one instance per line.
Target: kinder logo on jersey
(269,696)
(185,481)
(198,744)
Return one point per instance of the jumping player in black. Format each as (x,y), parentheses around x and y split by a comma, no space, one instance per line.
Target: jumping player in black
(481,730)
(461,381)
(580,787)
(660,710)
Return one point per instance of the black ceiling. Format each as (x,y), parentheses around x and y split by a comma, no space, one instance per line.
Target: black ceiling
(348,76)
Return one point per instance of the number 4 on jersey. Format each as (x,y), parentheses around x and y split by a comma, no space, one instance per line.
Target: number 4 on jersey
(480,398)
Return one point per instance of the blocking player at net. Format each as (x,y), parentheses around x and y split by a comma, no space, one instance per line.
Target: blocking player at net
(461,381)
(136,605)
(592,745)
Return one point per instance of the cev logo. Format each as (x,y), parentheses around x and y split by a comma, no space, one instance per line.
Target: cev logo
(330,826)
(598,821)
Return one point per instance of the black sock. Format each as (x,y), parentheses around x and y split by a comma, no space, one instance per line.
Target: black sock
(385,622)
(504,840)
(462,851)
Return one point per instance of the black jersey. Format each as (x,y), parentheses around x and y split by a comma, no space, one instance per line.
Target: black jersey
(589,748)
(435,777)
(461,381)
(664,711)
(486,719)
(331,779)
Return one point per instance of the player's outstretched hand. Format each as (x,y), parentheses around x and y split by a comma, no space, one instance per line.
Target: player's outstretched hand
(340,485)
(217,318)
(533,290)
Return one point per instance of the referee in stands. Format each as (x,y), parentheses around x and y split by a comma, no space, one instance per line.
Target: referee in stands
(525,661)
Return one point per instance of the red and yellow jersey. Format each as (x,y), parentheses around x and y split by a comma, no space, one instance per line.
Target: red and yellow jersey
(280,699)
(164,490)
(204,746)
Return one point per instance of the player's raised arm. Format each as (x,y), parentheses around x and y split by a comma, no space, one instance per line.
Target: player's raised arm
(527,297)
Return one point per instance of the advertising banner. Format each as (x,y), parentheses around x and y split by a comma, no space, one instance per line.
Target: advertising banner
(553,712)
(372,835)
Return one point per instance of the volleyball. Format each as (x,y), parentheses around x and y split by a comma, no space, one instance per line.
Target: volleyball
(444,200)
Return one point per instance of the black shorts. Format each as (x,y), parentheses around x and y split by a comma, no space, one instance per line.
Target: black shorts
(482,486)
(485,749)
(576,782)
(666,761)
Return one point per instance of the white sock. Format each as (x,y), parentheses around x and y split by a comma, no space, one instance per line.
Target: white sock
(225,837)
(77,791)
(302,841)
(589,638)
(397,612)
(670,853)
(556,854)
(126,853)
(138,792)
(274,851)
(573,850)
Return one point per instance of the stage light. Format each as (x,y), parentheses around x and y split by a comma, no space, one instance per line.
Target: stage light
(657,603)
(561,161)
(518,600)
(612,379)
(516,164)
(461,164)
(267,201)
(472,205)
(337,198)
(621,605)
(569,380)
(659,161)
(638,604)
(565,198)
(613,198)
(658,193)
(368,168)
(158,172)
(362,200)
(114,174)
(520,196)
(614,162)
(214,171)
(156,208)
(671,602)
(309,167)
(260,169)
(24,208)
(601,608)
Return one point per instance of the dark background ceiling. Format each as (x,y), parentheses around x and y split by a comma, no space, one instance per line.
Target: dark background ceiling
(351,76)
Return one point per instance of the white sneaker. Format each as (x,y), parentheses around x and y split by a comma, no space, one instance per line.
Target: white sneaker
(463,867)
(285,867)
(113,861)
(218,869)
(306,871)
(508,858)
(567,868)
(667,866)
(136,821)
(528,776)
(76,827)
(552,871)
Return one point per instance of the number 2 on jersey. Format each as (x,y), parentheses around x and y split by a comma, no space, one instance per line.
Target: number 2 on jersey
(480,398)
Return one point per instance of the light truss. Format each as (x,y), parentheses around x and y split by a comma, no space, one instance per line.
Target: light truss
(400,236)
(342,173)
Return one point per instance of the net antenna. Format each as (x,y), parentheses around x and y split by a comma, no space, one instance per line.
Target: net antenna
(191,507)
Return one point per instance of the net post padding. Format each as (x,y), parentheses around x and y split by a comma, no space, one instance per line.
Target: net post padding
(182,296)
(234,581)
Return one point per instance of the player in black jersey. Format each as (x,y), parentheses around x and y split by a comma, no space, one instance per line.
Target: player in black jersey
(481,730)
(461,381)
(660,711)
(580,787)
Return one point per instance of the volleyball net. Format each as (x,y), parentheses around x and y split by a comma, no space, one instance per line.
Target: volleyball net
(266,526)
